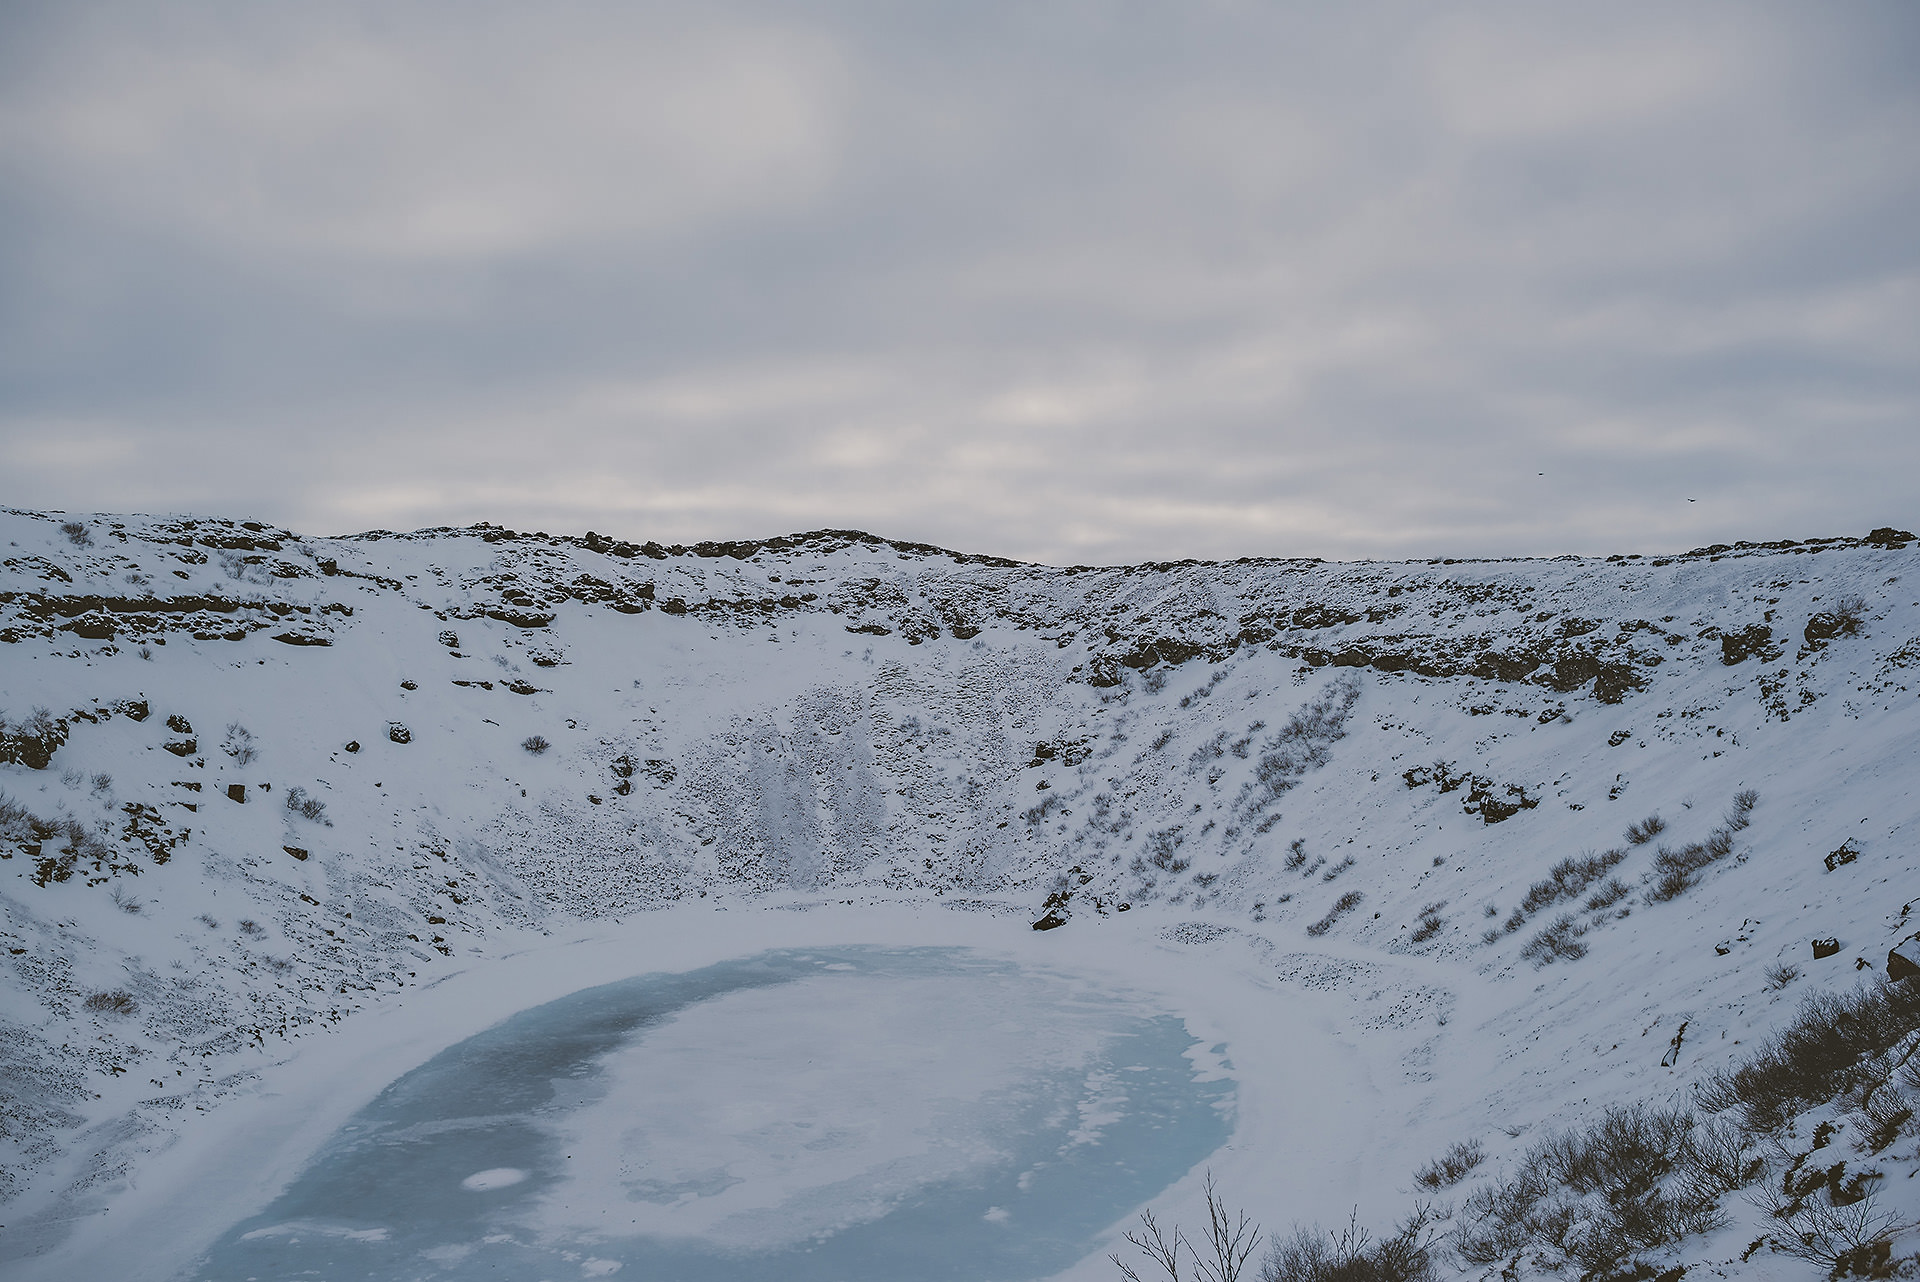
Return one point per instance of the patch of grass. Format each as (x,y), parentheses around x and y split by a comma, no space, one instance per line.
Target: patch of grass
(116,1002)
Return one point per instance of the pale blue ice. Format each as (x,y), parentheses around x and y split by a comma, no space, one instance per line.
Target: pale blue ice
(841,1114)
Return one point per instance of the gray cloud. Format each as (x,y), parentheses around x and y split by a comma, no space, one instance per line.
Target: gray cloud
(1070,282)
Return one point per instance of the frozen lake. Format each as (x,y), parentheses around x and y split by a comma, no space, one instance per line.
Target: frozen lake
(810,1113)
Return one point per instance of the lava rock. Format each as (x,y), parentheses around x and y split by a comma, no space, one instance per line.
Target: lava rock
(1903,959)
(1751,641)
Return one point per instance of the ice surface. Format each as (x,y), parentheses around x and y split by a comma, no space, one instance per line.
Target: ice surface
(847,1113)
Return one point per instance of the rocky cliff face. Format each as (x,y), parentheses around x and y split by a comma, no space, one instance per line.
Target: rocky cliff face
(255,781)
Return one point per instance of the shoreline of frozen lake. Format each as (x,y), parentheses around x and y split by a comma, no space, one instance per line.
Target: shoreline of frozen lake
(1301,1081)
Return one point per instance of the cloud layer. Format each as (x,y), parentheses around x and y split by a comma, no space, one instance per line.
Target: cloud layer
(1070,282)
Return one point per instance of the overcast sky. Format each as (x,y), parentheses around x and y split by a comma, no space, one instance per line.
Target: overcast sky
(1074,282)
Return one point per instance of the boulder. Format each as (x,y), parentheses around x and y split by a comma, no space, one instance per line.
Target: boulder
(1903,959)
(1825,948)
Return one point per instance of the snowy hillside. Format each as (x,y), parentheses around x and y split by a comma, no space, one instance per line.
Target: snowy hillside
(261,788)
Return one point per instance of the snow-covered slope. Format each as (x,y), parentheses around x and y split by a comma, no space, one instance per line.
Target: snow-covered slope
(275,781)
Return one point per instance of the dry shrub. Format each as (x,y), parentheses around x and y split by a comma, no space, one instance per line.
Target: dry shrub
(1451,1166)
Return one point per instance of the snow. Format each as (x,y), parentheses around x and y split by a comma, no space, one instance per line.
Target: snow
(791,783)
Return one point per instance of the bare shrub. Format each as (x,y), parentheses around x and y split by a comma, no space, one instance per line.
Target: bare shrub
(1610,893)
(1558,942)
(1720,1158)
(125,901)
(1739,814)
(116,1002)
(1828,1047)
(1778,977)
(1566,879)
(1853,1237)
(251,928)
(1850,611)
(1221,1256)
(535,743)
(1599,1195)
(1646,830)
(76,534)
(1352,1255)
(307,806)
(1341,906)
(1451,1166)
(102,782)
(239,744)
(1296,853)
(1431,922)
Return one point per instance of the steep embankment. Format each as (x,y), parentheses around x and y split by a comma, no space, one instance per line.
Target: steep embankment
(255,782)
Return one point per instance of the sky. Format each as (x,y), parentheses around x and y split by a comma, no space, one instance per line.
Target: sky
(1066,281)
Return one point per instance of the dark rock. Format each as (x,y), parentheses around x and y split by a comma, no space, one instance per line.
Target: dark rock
(522,618)
(399,733)
(1886,535)
(237,792)
(182,747)
(1497,666)
(1903,959)
(1052,921)
(1825,947)
(90,627)
(301,638)
(353,745)
(1754,640)
(1843,856)
(133,709)
(179,724)
(295,851)
(1613,682)
(449,638)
